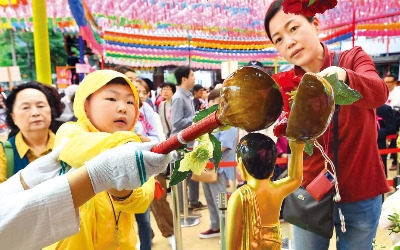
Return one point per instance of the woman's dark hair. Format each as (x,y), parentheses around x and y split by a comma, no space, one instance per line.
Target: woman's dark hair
(52,96)
(145,85)
(123,69)
(258,153)
(149,83)
(168,84)
(214,94)
(271,12)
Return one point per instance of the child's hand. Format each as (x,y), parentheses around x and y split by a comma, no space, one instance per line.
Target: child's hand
(283,155)
(143,138)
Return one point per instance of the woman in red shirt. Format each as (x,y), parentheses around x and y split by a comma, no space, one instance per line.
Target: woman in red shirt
(360,171)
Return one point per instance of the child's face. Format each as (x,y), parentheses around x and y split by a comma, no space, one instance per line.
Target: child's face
(212,102)
(111,108)
(204,95)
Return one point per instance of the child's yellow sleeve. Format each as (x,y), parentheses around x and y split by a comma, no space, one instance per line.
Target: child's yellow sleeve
(139,200)
(84,145)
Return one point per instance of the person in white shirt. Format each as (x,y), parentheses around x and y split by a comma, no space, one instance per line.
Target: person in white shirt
(164,110)
(393,101)
(46,211)
(394,90)
(68,113)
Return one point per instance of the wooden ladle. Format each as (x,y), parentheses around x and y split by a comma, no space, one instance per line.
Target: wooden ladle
(250,100)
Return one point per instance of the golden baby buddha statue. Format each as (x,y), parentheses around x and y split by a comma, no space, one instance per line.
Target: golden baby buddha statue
(246,228)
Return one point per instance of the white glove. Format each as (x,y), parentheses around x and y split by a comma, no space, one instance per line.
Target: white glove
(43,168)
(126,166)
(175,156)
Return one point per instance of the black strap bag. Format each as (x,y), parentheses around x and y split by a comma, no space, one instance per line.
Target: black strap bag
(302,210)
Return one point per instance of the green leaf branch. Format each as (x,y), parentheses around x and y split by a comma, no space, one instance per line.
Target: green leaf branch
(343,94)
(204,113)
(196,160)
(177,176)
(395,227)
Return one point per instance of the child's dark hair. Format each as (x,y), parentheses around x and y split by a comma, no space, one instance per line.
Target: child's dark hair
(118,80)
(180,72)
(52,96)
(168,84)
(121,81)
(271,12)
(214,94)
(258,153)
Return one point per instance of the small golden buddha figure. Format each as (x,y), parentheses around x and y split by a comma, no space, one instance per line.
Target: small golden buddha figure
(253,209)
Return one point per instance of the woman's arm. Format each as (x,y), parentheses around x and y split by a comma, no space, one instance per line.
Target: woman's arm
(358,70)
(11,186)
(38,217)
(47,212)
(363,77)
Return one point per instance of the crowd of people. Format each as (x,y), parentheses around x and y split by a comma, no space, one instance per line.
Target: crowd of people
(89,152)
(109,111)
(37,180)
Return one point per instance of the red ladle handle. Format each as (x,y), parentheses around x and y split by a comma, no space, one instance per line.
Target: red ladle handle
(206,125)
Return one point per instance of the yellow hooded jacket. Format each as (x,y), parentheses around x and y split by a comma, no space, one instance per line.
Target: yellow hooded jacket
(98,216)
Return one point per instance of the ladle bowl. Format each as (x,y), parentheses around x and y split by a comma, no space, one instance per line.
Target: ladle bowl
(250,100)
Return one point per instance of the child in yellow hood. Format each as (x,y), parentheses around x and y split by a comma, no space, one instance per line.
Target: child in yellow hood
(107,108)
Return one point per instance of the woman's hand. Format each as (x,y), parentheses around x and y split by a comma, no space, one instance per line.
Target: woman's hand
(342,74)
